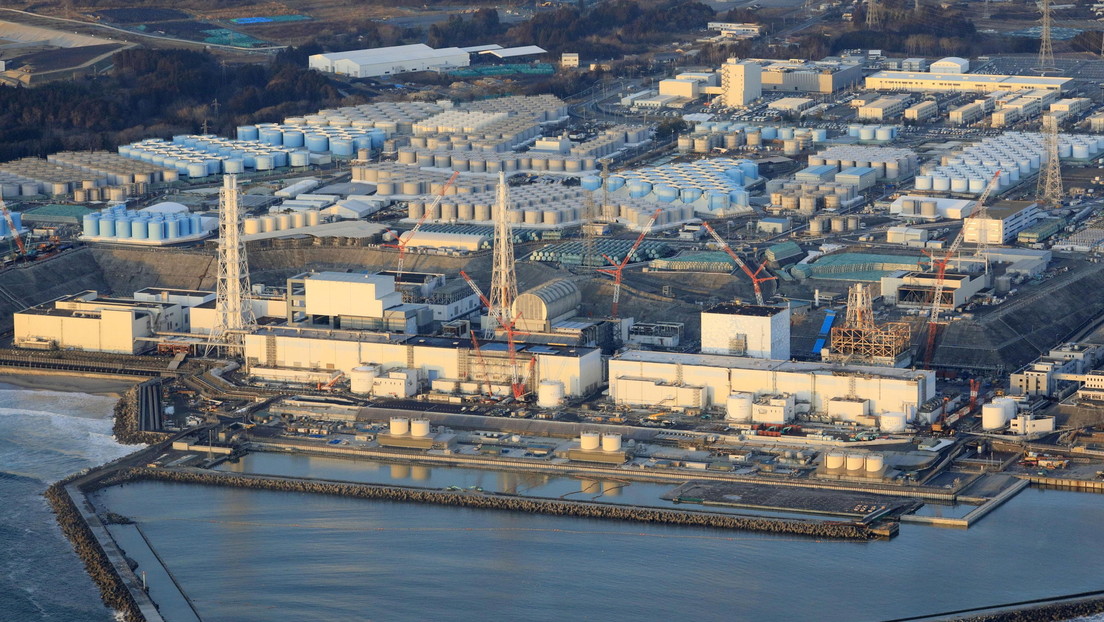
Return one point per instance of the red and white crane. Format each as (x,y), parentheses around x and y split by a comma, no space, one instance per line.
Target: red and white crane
(754,276)
(618,267)
(940,265)
(14,231)
(518,384)
(401,243)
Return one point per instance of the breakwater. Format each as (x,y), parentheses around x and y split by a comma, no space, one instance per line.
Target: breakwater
(492,501)
(113,590)
(126,428)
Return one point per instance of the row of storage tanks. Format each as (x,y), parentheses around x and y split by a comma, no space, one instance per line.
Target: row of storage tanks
(109,193)
(767,132)
(546,107)
(571,253)
(391,117)
(809,198)
(341,142)
(888,163)
(672,192)
(402,426)
(109,169)
(486,131)
(119,223)
(201,156)
(799,141)
(1015,154)
(34,176)
(282,222)
(836,224)
(877,133)
(996,414)
(484,162)
(593,441)
(866,463)
(920,207)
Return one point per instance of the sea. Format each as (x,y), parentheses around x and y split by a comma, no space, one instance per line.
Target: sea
(252,555)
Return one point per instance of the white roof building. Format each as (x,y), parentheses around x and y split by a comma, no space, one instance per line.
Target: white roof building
(389,60)
(951,64)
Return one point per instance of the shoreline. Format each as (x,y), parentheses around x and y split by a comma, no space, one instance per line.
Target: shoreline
(107,387)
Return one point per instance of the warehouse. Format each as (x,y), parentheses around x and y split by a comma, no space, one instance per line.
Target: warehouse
(443,363)
(951,64)
(1003,221)
(352,300)
(801,76)
(642,378)
(389,60)
(969,83)
(883,108)
(917,289)
(921,111)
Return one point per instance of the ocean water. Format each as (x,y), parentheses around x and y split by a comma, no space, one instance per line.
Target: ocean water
(250,555)
(44,436)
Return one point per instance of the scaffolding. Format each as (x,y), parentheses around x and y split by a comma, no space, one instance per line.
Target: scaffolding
(860,339)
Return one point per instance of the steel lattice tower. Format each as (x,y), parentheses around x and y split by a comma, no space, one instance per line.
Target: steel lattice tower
(233,311)
(503,277)
(1049,191)
(1046,50)
(873,14)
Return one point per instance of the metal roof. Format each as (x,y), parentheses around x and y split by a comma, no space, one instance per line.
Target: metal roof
(526,50)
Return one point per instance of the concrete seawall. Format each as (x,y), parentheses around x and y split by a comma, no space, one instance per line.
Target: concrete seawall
(552,507)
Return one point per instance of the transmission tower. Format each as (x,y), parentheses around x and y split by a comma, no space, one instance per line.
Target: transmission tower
(1049,191)
(503,277)
(233,311)
(873,14)
(1046,50)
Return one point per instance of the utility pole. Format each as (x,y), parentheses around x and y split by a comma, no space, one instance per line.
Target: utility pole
(1046,50)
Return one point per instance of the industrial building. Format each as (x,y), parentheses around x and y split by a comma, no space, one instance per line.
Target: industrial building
(1042,377)
(966,83)
(88,321)
(784,388)
(951,64)
(883,108)
(917,207)
(741,83)
(353,300)
(921,111)
(392,60)
(746,330)
(802,76)
(917,289)
(1002,222)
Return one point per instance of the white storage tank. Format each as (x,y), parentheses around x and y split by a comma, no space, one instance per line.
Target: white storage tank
(875,463)
(738,407)
(856,462)
(419,428)
(361,379)
(550,394)
(892,423)
(993,416)
(834,461)
(611,442)
(589,441)
(400,426)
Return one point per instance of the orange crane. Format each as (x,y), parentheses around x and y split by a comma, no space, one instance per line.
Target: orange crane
(328,386)
(400,243)
(940,265)
(509,326)
(14,231)
(482,364)
(754,276)
(618,267)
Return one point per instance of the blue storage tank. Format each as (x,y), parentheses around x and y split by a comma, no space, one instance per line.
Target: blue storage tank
(736,174)
(247,132)
(232,166)
(716,200)
(197,170)
(750,169)
(214,165)
(666,194)
(91,224)
(17,220)
(280,158)
(689,195)
(769,133)
(614,182)
(179,139)
(299,158)
(378,136)
(342,147)
(173,229)
(197,224)
(317,143)
(156,230)
(820,135)
(107,227)
(591,182)
(785,133)
(853,130)
(185,224)
(249,160)
(139,227)
(122,228)
(271,136)
(362,142)
(293,138)
(738,197)
(264,163)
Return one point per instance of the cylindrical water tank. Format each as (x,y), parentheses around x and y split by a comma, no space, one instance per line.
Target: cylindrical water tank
(738,407)
(993,416)
(855,462)
(929,209)
(550,394)
(589,441)
(875,463)
(299,158)
(834,461)
(361,379)
(268,224)
(611,442)
(400,426)
(139,228)
(298,219)
(419,428)
(314,217)
(283,222)
(892,423)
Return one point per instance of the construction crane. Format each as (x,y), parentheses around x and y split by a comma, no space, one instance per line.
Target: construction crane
(509,326)
(400,243)
(754,276)
(328,386)
(14,231)
(619,267)
(940,265)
